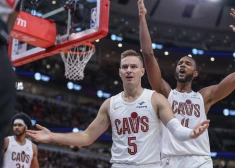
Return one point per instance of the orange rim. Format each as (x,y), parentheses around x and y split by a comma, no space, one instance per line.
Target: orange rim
(92,49)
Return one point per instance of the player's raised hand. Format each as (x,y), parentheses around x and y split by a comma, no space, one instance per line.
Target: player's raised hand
(199,129)
(141,7)
(41,135)
(232,13)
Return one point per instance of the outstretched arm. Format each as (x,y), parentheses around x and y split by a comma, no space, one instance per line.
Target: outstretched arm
(94,130)
(215,93)
(151,64)
(162,107)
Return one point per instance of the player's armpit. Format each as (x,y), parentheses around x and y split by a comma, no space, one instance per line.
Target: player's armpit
(215,93)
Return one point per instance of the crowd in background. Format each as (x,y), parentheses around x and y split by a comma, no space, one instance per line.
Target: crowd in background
(49,159)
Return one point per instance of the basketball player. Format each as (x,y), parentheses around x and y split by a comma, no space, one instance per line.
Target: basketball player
(8,13)
(189,107)
(133,115)
(19,152)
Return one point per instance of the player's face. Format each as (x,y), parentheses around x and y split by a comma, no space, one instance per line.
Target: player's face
(185,70)
(18,129)
(131,69)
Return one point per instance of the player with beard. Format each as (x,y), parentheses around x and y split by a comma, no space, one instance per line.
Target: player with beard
(19,152)
(189,107)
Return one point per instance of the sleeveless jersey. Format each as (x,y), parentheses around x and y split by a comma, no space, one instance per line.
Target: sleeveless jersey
(6,8)
(189,109)
(17,156)
(136,130)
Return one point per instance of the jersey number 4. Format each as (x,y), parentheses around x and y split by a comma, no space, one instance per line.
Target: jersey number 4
(133,147)
(19,166)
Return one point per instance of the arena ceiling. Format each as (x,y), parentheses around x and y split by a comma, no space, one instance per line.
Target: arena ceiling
(202,24)
(192,23)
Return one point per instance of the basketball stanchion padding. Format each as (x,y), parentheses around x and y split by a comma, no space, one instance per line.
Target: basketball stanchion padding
(34,30)
(75,60)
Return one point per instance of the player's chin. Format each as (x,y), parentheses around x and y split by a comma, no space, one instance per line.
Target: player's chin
(18,134)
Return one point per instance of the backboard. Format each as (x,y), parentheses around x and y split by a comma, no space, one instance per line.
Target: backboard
(77,22)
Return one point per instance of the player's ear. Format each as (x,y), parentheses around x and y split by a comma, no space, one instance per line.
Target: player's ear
(142,71)
(195,74)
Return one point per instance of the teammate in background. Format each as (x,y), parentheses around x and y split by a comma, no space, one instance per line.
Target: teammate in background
(8,13)
(19,152)
(136,117)
(189,107)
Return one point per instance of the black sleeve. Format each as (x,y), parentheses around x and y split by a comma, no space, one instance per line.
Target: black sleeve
(18,6)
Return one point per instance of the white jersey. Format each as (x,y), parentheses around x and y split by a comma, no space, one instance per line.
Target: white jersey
(18,156)
(136,130)
(6,8)
(189,109)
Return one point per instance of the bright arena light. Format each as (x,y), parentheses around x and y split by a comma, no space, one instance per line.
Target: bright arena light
(120,45)
(70,85)
(212,59)
(194,51)
(99,93)
(37,76)
(75,130)
(166,53)
(226,112)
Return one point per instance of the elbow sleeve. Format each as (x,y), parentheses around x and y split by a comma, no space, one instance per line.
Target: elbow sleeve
(178,131)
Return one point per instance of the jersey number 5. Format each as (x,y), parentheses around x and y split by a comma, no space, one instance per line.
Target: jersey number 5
(133,150)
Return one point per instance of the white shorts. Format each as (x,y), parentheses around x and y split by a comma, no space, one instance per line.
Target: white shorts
(115,165)
(187,162)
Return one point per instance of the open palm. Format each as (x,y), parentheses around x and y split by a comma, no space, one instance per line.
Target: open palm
(42,135)
(199,129)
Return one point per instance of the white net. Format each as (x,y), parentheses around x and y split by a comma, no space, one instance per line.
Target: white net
(76,59)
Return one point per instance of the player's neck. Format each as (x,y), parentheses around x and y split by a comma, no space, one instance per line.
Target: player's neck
(184,87)
(20,139)
(131,93)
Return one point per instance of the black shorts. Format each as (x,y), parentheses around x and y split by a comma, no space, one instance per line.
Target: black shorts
(7,95)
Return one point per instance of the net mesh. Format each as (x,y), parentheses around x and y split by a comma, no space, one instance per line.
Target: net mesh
(75,61)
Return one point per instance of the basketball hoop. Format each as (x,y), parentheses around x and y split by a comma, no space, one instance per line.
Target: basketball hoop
(76,59)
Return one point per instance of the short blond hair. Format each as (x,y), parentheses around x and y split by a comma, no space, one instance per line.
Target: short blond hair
(132,53)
